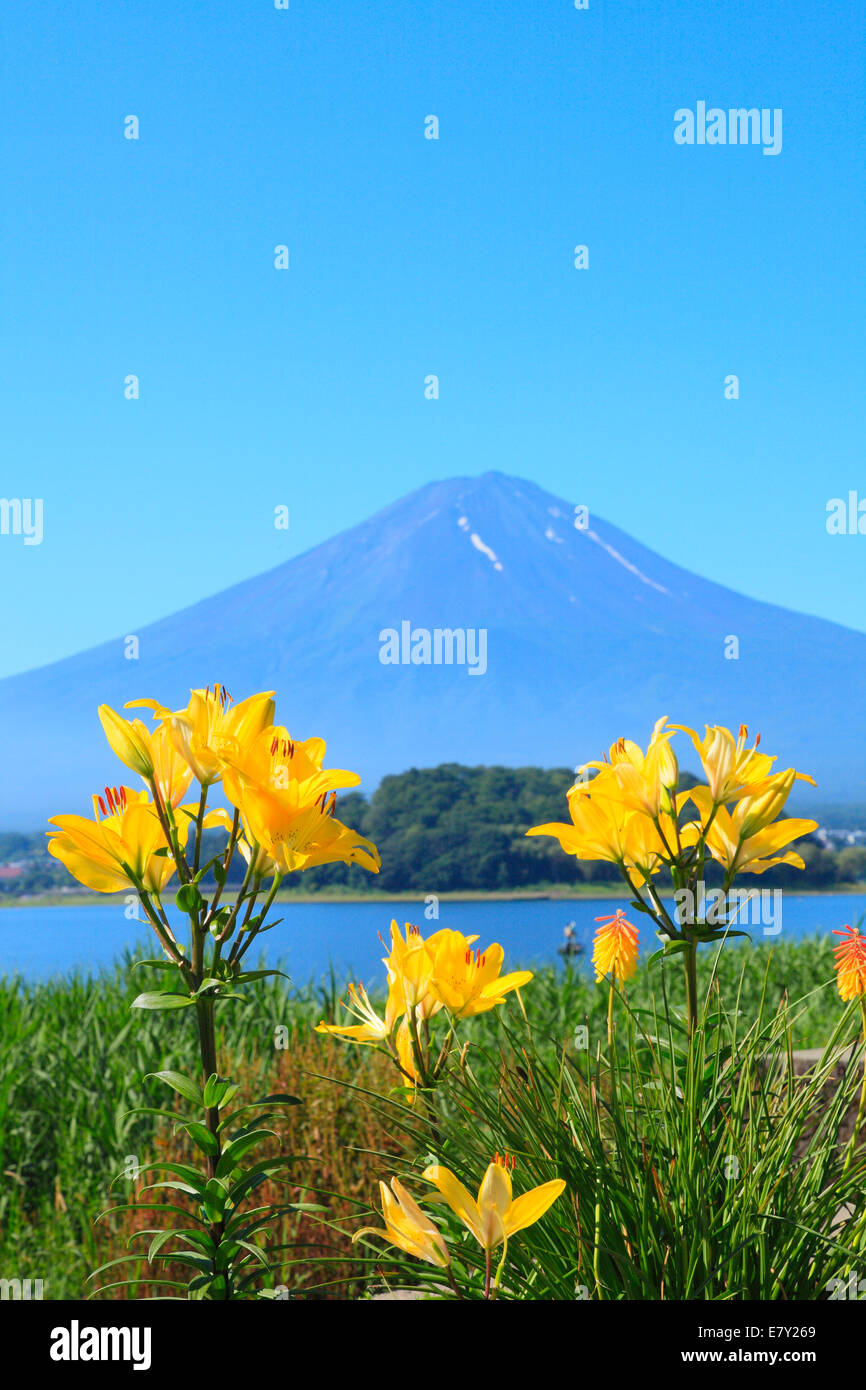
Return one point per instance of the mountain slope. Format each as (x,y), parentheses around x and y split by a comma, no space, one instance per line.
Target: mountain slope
(589,635)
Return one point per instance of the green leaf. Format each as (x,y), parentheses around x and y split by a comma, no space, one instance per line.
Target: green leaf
(161,999)
(234,1152)
(215,1090)
(214,1200)
(280,1098)
(150,1110)
(184,1171)
(175,1187)
(149,1206)
(201,1135)
(209,982)
(257,1174)
(158,1242)
(138,1283)
(219,872)
(671,949)
(180,1083)
(256,1251)
(189,899)
(155,964)
(248,975)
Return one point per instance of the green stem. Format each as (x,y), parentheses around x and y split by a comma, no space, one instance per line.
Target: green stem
(852,1145)
(198,829)
(207,1046)
(233,839)
(690,965)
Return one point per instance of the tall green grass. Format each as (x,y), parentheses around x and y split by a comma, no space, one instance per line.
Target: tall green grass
(712,1172)
(72,1059)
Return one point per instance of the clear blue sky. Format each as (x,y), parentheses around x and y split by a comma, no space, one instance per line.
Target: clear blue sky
(409,257)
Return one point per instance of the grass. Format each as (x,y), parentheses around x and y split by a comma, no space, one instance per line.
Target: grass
(72,1059)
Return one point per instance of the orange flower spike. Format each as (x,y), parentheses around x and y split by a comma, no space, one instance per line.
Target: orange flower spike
(615,947)
(850,963)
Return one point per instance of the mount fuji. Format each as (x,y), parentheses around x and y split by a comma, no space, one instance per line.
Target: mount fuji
(589,635)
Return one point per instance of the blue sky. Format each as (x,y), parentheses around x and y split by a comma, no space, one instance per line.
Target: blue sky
(409,256)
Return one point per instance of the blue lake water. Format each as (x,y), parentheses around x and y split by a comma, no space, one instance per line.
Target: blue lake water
(37,942)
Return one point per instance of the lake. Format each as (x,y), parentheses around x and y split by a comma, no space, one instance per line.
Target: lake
(37,942)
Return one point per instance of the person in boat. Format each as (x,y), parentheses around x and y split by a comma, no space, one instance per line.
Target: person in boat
(570,945)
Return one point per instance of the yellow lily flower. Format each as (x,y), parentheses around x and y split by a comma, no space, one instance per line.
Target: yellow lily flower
(372,1028)
(127,833)
(286,800)
(171,772)
(407,1226)
(640,781)
(295,828)
(732,770)
(754,812)
(597,828)
(496,1215)
(469,982)
(335,843)
(211,726)
(410,967)
(152,755)
(732,839)
(130,740)
(604,828)
(406,1059)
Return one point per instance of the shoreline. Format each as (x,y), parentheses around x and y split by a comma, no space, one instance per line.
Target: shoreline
(596,892)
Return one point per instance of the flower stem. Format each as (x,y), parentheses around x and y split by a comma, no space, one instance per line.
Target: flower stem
(858,1125)
(690,965)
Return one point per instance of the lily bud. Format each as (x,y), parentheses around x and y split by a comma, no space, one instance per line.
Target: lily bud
(130,741)
(756,812)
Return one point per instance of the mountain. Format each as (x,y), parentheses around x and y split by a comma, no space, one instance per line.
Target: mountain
(589,635)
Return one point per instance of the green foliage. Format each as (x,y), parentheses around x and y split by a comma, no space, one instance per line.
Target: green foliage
(72,1059)
(714,1171)
(213,1239)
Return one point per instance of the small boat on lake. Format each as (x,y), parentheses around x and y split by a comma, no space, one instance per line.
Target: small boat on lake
(570,944)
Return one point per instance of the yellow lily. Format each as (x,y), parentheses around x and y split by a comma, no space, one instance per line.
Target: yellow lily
(286,800)
(754,812)
(372,1028)
(496,1215)
(406,1060)
(640,781)
(468,982)
(604,828)
(410,967)
(171,772)
(116,848)
(295,827)
(407,1226)
(211,726)
(335,843)
(732,770)
(130,740)
(734,842)
(151,754)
